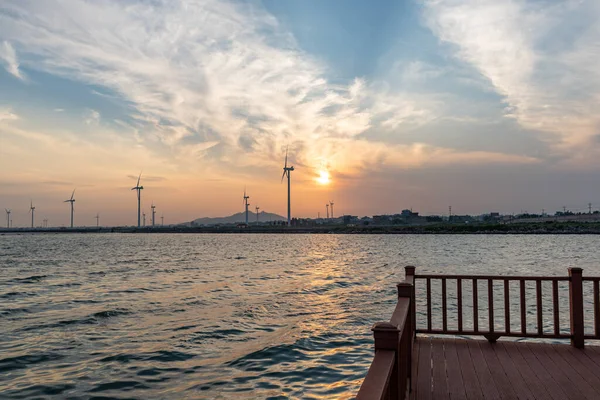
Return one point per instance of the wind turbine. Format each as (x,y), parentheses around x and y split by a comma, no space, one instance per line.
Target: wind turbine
(71,200)
(327,206)
(138,188)
(257,208)
(97,220)
(153,207)
(32,211)
(7,217)
(144,215)
(287,171)
(331,204)
(162,220)
(246,197)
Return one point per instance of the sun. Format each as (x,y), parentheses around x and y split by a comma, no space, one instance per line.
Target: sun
(323,178)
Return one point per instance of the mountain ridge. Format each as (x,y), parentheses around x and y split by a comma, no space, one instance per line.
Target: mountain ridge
(238,218)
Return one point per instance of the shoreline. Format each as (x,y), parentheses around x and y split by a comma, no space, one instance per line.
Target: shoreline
(549,228)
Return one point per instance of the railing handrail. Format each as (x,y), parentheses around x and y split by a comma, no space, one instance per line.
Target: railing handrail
(389,376)
(497,277)
(378,377)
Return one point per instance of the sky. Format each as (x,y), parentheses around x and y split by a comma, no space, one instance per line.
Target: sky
(384,105)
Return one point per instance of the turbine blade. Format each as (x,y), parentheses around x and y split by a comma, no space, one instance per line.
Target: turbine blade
(283,176)
(139,177)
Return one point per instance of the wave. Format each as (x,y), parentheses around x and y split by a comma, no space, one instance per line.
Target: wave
(89,320)
(26,361)
(161,356)
(30,279)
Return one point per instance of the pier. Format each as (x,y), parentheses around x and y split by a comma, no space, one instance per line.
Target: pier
(421,354)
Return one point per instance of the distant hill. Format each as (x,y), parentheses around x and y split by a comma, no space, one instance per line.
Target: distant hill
(237,218)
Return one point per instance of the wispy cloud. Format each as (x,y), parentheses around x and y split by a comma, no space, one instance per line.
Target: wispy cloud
(91,117)
(538,56)
(7,115)
(8,57)
(220,73)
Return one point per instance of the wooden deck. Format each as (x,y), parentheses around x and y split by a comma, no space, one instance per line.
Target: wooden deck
(448,368)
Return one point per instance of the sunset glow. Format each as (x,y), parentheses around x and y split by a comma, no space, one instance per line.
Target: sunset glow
(323,178)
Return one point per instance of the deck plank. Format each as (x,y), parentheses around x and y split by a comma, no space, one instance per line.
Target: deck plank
(532,383)
(581,363)
(456,387)
(557,373)
(568,371)
(504,386)
(440,384)
(593,353)
(423,387)
(415,369)
(518,373)
(554,390)
(483,372)
(471,382)
(459,369)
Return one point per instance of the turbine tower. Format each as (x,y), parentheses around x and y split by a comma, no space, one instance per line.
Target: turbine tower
(32,211)
(153,207)
(162,220)
(144,215)
(331,204)
(138,188)
(98,220)
(327,207)
(257,208)
(287,171)
(7,217)
(71,200)
(246,197)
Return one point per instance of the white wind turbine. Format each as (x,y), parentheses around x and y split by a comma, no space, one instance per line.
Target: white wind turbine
(7,217)
(287,171)
(32,211)
(138,188)
(71,200)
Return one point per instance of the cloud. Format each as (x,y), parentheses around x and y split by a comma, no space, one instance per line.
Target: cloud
(216,71)
(7,115)
(8,57)
(148,178)
(538,56)
(91,117)
(220,81)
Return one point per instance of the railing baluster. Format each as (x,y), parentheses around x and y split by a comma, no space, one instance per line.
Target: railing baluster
(459,298)
(444,312)
(428,304)
(507,306)
(475,307)
(596,309)
(538,293)
(523,319)
(555,307)
(491,304)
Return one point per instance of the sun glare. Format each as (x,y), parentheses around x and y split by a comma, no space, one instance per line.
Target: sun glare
(323,178)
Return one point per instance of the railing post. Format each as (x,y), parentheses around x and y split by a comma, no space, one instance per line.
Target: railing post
(410,278)
(387,337)
(576,307)
(407,290)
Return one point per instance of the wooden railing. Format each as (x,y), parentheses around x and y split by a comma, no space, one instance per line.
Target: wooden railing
(576,306)
(389,376)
